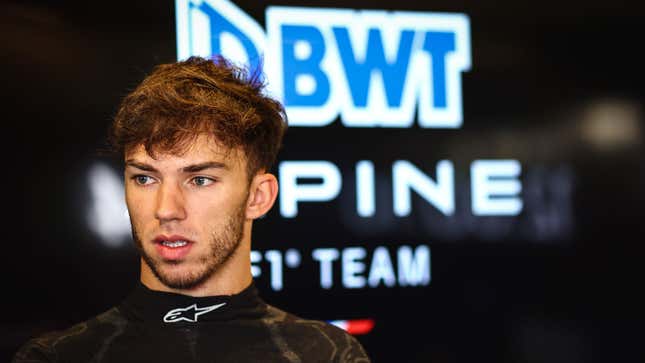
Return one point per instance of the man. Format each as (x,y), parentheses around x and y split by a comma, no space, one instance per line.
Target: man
(198,138)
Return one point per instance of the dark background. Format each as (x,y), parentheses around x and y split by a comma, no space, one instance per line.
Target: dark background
(542,73)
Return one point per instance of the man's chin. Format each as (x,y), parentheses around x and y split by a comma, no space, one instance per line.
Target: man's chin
(173,263)
(178,274)
(182,282)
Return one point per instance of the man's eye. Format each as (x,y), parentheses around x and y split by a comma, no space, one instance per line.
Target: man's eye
(142,179)
(202,181)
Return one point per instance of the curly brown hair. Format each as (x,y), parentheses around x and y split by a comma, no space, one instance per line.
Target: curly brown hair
(179,101)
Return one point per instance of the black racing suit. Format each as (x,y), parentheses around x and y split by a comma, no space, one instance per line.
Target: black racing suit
(154,326)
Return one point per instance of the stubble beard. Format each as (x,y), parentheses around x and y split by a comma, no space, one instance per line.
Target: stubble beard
(223,244)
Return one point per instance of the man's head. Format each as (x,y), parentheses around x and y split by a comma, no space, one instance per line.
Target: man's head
(198,138)
(179,101)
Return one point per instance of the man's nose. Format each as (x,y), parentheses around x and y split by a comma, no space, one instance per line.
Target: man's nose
(170,203)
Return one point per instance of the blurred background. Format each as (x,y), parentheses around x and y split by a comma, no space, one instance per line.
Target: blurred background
(556,86)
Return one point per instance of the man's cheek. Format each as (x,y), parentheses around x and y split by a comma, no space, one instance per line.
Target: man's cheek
(136,204)
(138,218)
(130,203)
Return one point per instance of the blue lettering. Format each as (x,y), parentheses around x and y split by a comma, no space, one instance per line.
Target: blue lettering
(370,68)
(219,25)
(294,66)
(361,72)
(438,44)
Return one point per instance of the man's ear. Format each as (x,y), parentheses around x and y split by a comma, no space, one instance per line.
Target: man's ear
(262,195)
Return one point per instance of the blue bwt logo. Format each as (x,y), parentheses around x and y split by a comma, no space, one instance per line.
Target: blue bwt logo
(372,68)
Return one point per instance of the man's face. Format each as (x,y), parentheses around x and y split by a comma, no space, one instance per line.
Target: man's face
(187,211)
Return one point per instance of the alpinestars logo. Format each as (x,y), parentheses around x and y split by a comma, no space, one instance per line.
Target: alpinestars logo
(189,314)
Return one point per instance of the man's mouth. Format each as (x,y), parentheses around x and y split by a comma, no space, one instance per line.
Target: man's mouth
(173,247)
(174,244)
(172,241)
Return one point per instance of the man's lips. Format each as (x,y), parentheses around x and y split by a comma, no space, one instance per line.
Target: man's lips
(174,238)
(174,247)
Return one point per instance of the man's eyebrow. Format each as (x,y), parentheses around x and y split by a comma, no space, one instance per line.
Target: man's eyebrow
(140,165)
(186,169)
(202,166)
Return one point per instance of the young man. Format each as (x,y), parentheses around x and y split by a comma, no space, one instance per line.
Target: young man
(198,138)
